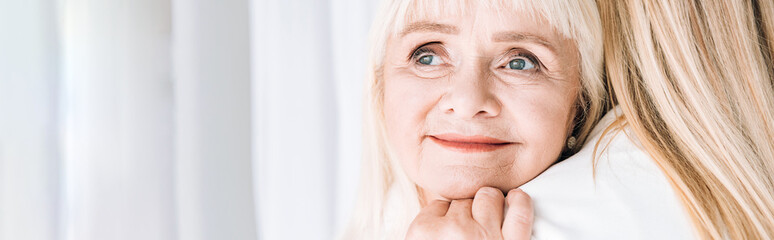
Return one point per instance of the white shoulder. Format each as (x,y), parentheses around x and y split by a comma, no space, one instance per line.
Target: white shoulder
(621,195)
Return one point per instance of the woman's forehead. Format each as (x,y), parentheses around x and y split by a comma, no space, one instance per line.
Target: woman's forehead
(495,22)
(423,11)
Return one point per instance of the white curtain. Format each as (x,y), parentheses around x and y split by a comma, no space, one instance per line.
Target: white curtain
(179,119)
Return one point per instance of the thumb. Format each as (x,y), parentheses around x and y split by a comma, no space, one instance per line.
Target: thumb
(517,224)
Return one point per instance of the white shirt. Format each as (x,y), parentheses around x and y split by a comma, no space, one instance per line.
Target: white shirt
(629,199)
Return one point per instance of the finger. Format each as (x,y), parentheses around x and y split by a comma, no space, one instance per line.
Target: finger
(436,208)
(460,208)
(423,226)
(488,208)
(518,219)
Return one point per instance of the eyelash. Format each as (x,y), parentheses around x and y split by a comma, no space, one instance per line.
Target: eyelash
(529,56)
(421,50)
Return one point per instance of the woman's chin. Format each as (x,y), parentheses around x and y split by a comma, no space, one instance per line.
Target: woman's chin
(457,189)
(458,194)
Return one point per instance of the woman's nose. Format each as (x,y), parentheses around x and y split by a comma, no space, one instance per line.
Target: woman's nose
(470,97)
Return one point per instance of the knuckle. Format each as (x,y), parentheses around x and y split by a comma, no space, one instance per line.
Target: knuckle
(421,230)
(463,201)
(454,224)
(490,191)
(457,232)
(522,218)
(447,228)
(516,195)
(462,228)
(488,195)
(482,233)
(423,226)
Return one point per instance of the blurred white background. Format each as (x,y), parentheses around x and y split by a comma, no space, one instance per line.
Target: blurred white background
(180,119)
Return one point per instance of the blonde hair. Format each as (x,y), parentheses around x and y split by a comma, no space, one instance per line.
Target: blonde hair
(695,82)
(388,200)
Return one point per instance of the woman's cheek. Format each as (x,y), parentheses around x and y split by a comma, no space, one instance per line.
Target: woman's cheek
(406,104)
(541,123)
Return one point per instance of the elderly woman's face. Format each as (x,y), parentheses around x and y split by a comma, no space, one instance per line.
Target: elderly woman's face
(478,101)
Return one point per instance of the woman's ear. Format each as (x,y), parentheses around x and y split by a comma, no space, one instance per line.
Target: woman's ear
(577,118)
(571,136)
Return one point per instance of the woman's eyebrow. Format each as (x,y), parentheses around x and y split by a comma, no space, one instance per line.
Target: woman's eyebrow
(429,27)
(522,37)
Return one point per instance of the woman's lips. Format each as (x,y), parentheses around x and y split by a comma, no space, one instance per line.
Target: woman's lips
(469,144)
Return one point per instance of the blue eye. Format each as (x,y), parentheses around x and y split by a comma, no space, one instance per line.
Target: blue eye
(521,64)
(429,60)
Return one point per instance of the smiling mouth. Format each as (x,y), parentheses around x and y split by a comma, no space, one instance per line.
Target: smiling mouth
(469,144)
